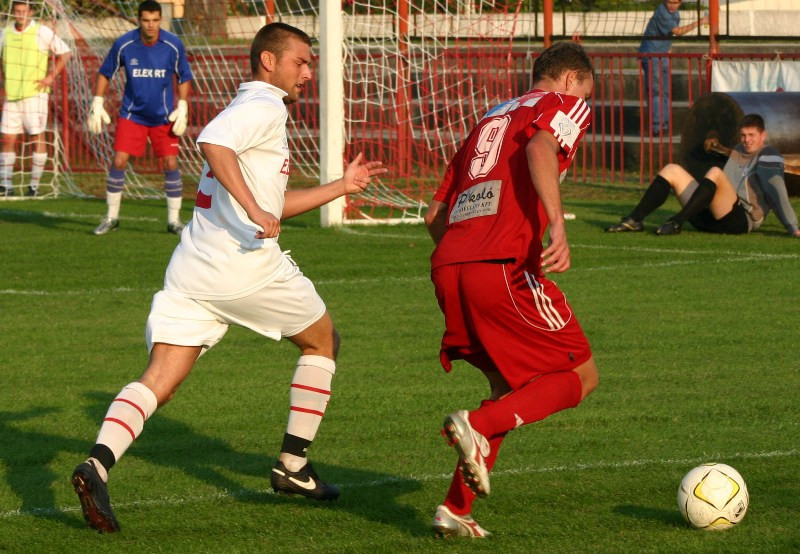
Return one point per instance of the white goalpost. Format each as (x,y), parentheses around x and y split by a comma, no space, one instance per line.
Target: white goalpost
(331,99)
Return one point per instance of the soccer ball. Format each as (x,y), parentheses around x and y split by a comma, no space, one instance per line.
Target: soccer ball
(713,497)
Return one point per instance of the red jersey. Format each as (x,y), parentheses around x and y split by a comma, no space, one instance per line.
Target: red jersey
(494,210)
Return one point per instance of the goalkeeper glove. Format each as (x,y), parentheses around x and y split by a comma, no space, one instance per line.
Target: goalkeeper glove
(97,116)
(180,116)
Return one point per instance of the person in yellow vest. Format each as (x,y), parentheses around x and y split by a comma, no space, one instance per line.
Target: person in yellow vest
(25,46)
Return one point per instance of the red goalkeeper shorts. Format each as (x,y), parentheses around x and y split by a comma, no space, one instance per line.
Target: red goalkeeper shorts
(131,137)
(504,318)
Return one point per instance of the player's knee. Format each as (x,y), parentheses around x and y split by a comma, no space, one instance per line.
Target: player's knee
(714,174)
(588,385)
(162,394)
(589,377)
(670,172)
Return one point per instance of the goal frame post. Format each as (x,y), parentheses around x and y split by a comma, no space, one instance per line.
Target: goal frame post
(331,105)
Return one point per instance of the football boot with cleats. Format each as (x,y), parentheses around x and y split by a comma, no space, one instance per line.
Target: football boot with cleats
(106,225)
(626,225)
(93,494)
(304,482)
(669,228)
(472,448)
(446,524)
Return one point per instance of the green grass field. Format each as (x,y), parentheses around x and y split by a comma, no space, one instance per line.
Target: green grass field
(696,337)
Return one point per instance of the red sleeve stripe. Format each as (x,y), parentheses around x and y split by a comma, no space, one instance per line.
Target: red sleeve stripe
(141,411)
(312,389)
(306,411)
(114,420)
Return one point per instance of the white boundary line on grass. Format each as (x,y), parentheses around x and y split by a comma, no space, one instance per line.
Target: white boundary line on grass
(577,467)
(349,281)
(361,233)
(78,292)
(67,215)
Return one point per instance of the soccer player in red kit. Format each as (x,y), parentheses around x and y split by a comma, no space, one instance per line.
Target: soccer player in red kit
(502,315)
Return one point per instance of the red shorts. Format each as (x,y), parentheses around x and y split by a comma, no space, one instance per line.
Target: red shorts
(500,317)
(131,137)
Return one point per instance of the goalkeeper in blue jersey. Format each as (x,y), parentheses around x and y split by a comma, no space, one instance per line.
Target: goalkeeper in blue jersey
(150,57)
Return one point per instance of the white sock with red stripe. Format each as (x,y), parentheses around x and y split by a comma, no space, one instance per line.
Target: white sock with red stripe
(309,395)
(125,418)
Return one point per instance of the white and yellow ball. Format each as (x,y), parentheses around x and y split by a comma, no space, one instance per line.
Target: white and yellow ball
(713,497)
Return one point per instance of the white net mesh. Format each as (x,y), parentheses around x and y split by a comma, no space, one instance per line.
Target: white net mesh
(413,88)
(417,75)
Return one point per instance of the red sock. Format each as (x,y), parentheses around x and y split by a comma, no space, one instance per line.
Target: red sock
(545,395)
(460,497)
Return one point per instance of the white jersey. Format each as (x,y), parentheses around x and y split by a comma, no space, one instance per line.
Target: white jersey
(219,257)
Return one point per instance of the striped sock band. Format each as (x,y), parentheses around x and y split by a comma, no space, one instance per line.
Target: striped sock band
(309,395)
(125,418)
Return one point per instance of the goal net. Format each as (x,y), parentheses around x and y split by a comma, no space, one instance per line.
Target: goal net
(417,75)
(416,78)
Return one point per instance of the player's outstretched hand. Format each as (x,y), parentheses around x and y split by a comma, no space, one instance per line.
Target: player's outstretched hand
(357,176)
(180,116)
(97,116)
(270,225)
(555,258)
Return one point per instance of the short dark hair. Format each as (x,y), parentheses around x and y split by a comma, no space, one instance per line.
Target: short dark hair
(21,2)
(148,6)
(753,120)
(273,37)
(559,58)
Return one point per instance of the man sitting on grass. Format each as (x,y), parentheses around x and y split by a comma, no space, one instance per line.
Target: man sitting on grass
(733,200)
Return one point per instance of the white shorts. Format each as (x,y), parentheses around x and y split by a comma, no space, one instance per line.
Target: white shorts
(30,114)
(283,308)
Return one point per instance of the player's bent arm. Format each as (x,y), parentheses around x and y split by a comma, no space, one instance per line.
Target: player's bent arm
(542,152)
(357,176)
(712,144)
(58,66)
(60,62)
(223,163)
(436,220)
(778,198)
(682,30)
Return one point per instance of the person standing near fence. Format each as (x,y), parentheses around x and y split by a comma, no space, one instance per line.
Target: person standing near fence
(26,46)
(150,57)
(664,23)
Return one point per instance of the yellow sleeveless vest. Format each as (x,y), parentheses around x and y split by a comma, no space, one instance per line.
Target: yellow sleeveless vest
(23,63)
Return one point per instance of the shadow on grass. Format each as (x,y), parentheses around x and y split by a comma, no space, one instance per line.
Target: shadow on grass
(173,444)
(28,466)
(49,221)
(672,518)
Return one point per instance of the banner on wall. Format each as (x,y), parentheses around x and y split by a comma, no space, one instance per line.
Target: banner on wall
(769,76)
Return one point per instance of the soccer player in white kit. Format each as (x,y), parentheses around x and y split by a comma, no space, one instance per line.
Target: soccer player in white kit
(229,269)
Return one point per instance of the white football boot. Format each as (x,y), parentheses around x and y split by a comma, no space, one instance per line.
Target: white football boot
(106,225)
(447,524)
(472,448)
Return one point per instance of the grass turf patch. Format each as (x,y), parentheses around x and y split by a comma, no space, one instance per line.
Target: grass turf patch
(694,336)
